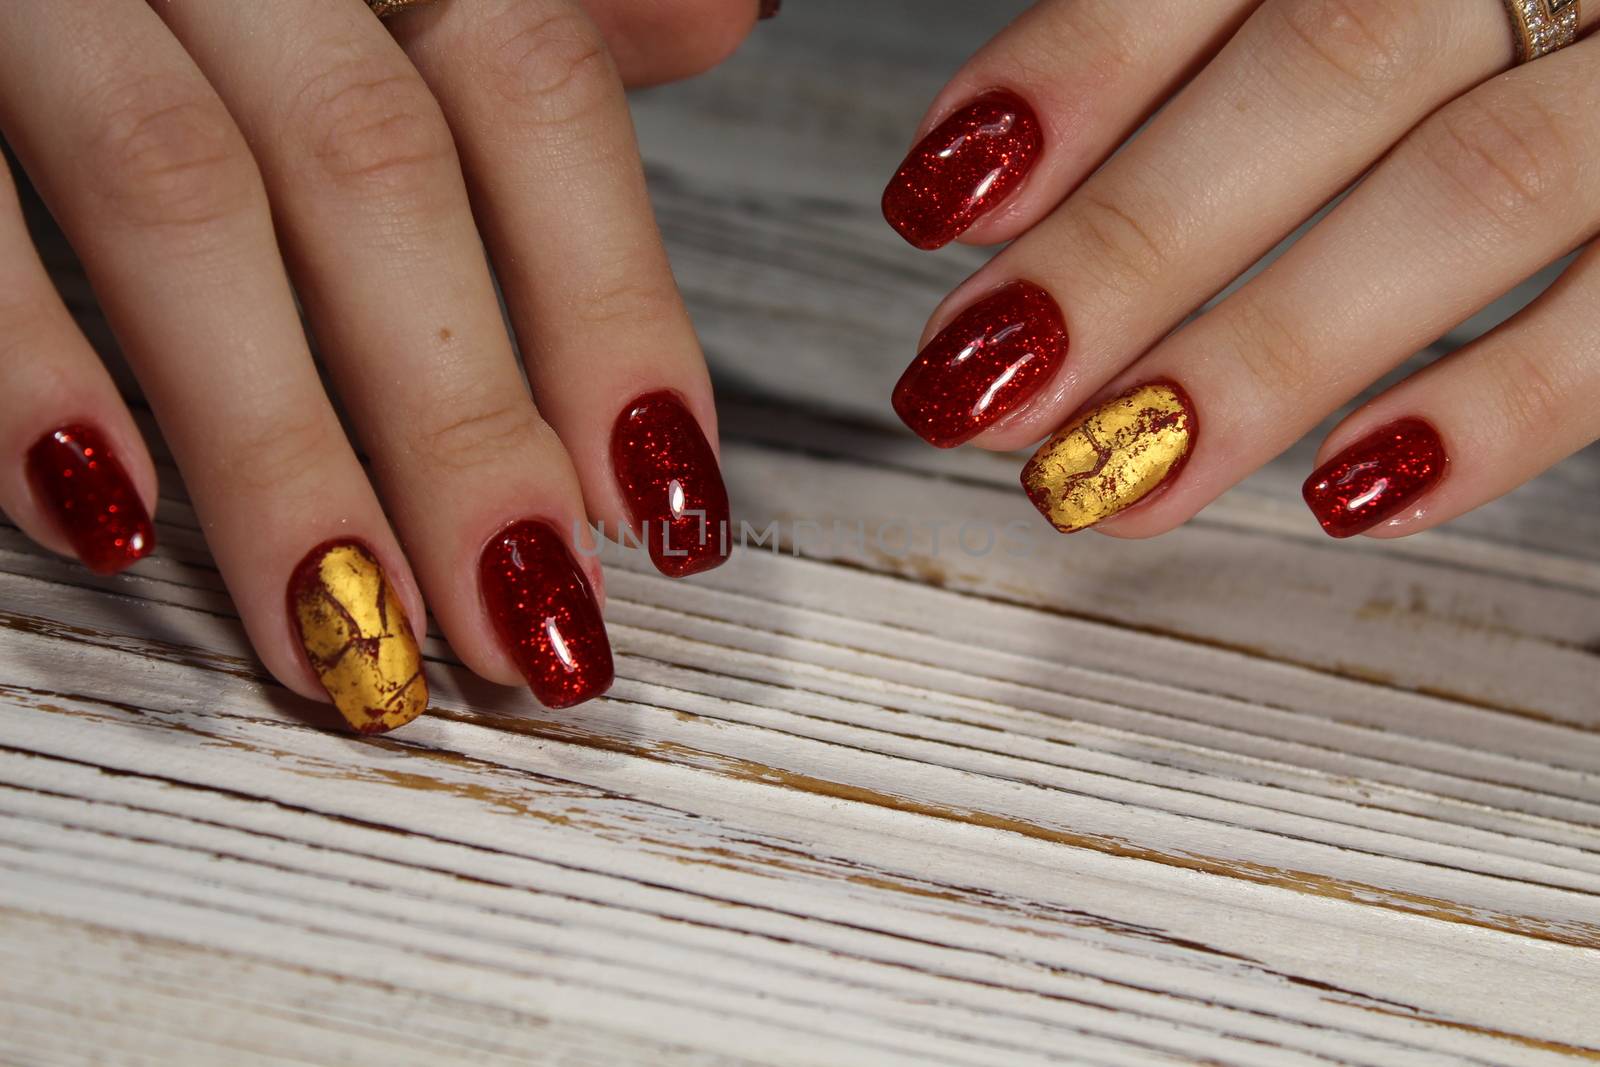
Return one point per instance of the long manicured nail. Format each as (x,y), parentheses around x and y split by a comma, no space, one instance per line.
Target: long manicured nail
(971,162)
(357,637)
(995,355)
(545,613)
(76,477)
(769,8)
(1111,457)
(671,483)
(1376,478)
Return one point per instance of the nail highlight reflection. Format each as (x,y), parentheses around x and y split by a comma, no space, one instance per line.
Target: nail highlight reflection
(671,484)
(987,362)
(966,167)
(77,479)
(545,613)
(1376,478)
(1111,457)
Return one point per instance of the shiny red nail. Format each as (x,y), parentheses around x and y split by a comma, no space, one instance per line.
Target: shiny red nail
(971,162)
(1376,478)
(769,9)
(545,613)
(76,477)
(991,358)
(671,483)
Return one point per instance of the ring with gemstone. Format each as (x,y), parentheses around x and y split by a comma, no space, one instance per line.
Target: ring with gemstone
(1542,26)
(384,8)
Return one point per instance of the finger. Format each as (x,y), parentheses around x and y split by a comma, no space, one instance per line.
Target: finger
(1491,188)
(1040,106)
(375,220)
(1304,99)
(548,147)
(673,39)
(76,476)
(153,185)
(1492,415)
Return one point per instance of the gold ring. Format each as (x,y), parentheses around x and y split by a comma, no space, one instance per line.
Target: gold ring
(1542,26)
(384,8)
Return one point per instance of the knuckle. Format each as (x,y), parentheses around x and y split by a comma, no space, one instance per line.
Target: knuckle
(546,61)
(1369,47)
(367,122)
(637,303)
(1130,248)
(1501,156)
(1531,396)
(279,450)
(477,431)
(168,154)
(25,329)
(1272,351)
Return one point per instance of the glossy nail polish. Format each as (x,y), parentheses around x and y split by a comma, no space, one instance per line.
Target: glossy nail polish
(971,162)
(671,483)
(75,477)
(769,8)
(992,357)
(545,613)
(1112,456)
(1376,478)
(357,638)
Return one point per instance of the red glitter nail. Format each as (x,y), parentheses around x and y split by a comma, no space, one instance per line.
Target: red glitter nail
(545,613)
(1376,478)
(991,358)
(970,163)
(77,478)
(672,486)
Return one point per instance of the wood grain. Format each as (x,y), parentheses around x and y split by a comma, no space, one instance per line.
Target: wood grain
(1235,795)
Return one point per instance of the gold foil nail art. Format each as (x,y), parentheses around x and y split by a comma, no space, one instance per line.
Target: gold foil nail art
(357,637)
(1111,457)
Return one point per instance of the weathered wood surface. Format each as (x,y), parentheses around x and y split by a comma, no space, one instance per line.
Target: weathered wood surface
(1238,794)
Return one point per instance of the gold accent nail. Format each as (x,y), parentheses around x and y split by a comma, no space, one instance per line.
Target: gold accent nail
(1111,457)
(357,637)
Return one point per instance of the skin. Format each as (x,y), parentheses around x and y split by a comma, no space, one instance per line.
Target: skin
(201,157)
(1476,175)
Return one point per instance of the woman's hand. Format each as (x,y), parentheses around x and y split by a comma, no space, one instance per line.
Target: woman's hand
(194,150)
(1477,173)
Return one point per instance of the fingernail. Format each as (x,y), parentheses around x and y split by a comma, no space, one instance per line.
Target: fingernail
(1112,457)
(671,483)
(1376,478)
(545,613)
(770,8)
(995,355)
(357,637)
(76,477)
(970,163)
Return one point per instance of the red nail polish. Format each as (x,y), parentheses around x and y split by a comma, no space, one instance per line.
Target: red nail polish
(769,8)
(970,163)
(991,358)
(77,478)
(671,484)
(1376,478)
(545,613)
